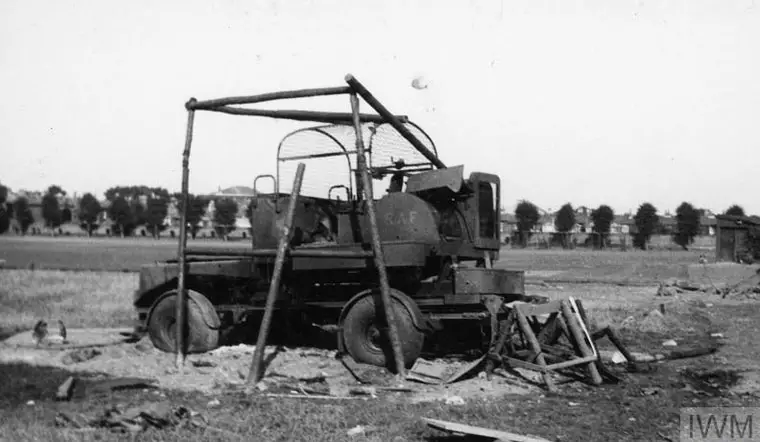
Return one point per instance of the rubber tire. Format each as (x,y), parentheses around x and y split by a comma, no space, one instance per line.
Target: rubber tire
(356,329)
(161,327)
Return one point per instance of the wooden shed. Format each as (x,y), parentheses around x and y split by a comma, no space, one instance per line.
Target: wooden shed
(735,237)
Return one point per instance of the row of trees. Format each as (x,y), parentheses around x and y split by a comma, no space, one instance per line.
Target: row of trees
(127,213)
(646,222)
(125,210)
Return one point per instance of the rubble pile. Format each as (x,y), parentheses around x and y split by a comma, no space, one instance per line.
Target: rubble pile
(746,289)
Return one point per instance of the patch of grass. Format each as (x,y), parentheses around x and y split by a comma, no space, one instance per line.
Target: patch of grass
(80,299)
(129,254)
(612,266)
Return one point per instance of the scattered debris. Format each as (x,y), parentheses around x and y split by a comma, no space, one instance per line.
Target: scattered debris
(80,355)
(213,403)
(203,363)
(159,415)
(66,389)
(120,384)
(452,427)
(436,373)
(618,358)
(454,400)
(359,429)
(40,332)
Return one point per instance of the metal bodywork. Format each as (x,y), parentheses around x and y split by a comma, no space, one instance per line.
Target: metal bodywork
(429,232)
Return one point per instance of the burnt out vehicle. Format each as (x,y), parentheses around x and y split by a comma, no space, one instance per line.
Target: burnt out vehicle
(439,230)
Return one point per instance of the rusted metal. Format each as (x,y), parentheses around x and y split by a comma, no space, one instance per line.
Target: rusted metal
(496,281)
(181,312)
(255,373)
(393,121)
(385,290)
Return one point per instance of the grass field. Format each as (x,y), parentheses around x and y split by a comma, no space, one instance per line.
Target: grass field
(114,254)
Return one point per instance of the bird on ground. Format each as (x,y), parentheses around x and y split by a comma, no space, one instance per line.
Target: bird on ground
(40,331)
(62,330)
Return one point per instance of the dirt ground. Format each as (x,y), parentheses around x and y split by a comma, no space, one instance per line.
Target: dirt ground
(689,319)
(226,368)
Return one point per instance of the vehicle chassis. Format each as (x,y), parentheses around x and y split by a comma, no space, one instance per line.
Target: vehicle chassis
(336,278)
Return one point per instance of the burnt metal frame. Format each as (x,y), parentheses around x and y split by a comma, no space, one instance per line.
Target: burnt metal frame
(226,105)
(345,152)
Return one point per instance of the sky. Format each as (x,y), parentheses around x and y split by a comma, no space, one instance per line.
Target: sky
(589,102)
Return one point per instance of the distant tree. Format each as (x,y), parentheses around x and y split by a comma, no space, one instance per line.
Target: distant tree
(564,223)
(51,211)
(527,217)
(735,210)
(602,217)
(23,214)
(121,214)
(66,215)
(155,215)
(139,216)
(89,209)
(687,225)
(5,218)
(197,208)
(646,220)
(225,216)
(55,190)
(132,192)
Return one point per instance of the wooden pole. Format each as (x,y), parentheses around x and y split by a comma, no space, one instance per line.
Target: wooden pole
(271,96)
(577,334)
(181,307)
(301,115)
(394,121)
(385,290)
(255,373)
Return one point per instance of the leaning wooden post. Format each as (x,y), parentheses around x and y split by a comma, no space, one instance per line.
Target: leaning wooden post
(577,334)
(255,372)
(385,290)
(181,306)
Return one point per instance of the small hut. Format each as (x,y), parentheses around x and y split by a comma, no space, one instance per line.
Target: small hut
(736,237)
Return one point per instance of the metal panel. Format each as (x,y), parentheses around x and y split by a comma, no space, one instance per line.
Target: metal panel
(451,178)
(471,281)
(397,254)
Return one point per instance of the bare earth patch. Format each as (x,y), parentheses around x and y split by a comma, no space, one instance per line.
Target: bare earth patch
(226,368)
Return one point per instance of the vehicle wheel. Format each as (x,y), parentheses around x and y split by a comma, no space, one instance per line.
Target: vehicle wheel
(202,336)
(366,342)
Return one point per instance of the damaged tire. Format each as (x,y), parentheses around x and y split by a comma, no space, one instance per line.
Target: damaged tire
(366,339)
(203,323)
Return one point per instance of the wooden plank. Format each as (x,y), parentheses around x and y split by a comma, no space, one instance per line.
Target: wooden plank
(580,338)
(572,362)
(454,427)
(535,346)
(539,309)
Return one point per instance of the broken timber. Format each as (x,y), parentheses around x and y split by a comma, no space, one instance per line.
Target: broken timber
(540,338)
(453,427)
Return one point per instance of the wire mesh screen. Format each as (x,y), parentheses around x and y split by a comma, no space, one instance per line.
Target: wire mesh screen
(329,153)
